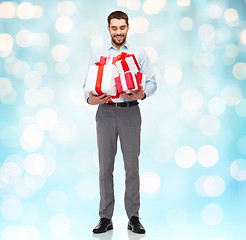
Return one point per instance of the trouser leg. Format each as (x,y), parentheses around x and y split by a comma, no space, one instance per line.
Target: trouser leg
(129,127)
(107,147)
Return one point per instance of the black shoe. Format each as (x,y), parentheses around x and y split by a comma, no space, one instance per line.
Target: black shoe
(135,225)
(103,226)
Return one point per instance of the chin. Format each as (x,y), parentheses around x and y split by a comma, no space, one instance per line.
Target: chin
(119,43)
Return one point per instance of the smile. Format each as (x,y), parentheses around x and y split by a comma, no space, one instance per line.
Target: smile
(119,37)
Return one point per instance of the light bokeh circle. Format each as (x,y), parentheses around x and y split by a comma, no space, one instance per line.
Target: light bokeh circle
(212,214)
(11,209)
(238,169)
(185,157)
(150,182)
(207,155)
(46,119)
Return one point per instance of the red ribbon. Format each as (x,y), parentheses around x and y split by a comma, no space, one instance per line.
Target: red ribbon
(119,85)
(115,97)
(102,61)
(129,81)
(99,80)
(115,59)
(135,60)
(100,65)
(139,78)
(125,66)
(123,57)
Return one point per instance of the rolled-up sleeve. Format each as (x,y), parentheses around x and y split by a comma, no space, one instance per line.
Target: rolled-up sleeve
(147,69)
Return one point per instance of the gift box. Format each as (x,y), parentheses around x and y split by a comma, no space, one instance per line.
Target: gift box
(126,62)
(100,79)
(141,79)
(126,82)
(129,81)
(117,98)
(111,59)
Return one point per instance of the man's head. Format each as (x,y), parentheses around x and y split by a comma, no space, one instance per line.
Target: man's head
(118,27)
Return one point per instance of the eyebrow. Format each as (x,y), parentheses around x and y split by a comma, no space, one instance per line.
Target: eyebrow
(119,26)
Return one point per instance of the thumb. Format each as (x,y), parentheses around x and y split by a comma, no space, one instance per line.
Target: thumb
(90,93)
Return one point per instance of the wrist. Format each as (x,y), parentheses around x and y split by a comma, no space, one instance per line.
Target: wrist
(144,96)
(87,100)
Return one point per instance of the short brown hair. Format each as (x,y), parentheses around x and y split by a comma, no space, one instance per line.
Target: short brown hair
(117,15)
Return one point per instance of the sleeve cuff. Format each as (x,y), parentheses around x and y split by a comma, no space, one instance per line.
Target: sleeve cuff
(144,96)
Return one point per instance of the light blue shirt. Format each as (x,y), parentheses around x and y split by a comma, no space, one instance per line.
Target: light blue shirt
(142,58)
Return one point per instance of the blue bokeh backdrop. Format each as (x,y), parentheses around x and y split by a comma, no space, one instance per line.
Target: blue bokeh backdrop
(192,162)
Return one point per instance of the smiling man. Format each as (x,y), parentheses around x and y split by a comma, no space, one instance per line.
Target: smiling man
(121,120)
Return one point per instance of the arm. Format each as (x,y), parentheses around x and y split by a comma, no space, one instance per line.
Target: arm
(150,85)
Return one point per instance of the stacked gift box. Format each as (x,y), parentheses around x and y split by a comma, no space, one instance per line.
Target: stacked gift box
(115,76)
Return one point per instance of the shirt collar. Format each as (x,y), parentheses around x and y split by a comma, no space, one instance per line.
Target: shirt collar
(126,46)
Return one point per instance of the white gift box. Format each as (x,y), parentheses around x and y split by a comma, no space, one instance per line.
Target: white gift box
(127,64)
(130,82)
(100,79)
(126,82)
(110,59)
(118,98)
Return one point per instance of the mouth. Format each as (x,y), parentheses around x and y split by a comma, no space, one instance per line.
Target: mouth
(119,38)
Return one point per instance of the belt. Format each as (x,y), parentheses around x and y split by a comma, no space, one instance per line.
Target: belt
(122,104)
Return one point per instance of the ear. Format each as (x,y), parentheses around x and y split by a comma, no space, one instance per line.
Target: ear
(108,29)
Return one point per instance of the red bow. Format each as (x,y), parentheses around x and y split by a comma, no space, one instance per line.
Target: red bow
(122,56)
(102,61)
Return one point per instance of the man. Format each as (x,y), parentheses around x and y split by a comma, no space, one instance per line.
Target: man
(121,120)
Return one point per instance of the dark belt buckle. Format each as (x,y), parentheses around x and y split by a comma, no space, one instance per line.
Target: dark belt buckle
(118,105)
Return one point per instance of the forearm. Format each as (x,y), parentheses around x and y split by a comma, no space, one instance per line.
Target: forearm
(150,88)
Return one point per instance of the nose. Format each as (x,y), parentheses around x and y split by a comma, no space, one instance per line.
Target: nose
(118,31)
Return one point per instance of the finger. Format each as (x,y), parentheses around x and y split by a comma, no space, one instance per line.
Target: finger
(128,97)
(106,99)
(102,96)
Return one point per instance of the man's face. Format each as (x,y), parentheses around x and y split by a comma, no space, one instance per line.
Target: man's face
(118,31)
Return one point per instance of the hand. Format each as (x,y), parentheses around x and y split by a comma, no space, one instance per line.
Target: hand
(135,95)
(94,100)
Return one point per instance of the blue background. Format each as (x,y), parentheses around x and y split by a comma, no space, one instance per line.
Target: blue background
(192,162)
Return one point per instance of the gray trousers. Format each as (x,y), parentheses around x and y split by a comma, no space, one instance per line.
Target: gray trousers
(124,122)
